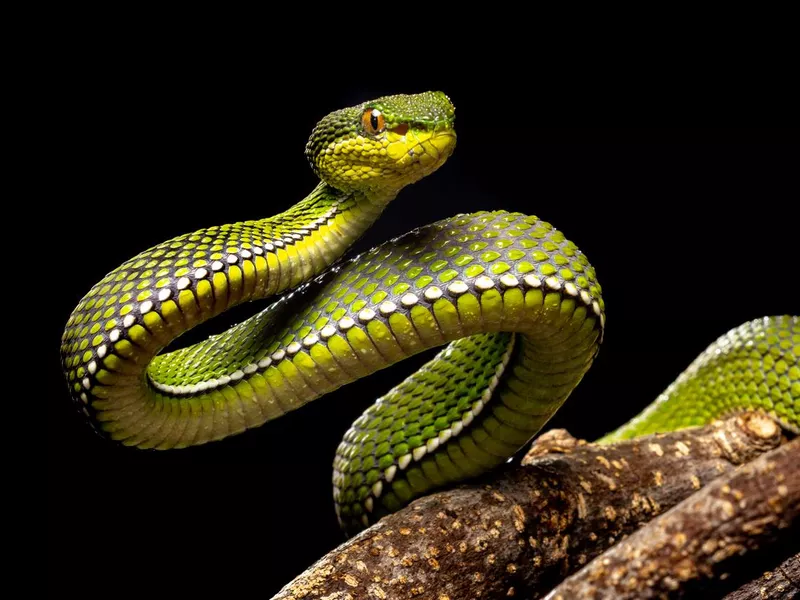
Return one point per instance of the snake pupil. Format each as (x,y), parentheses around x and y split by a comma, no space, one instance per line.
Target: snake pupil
(373,120)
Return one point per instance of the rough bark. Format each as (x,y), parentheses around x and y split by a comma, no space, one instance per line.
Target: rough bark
(522,531)
(700,539)
(780,583)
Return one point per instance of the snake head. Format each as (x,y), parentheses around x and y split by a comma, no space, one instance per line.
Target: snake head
(382,145)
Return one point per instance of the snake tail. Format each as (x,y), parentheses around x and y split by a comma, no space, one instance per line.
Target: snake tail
(755,366)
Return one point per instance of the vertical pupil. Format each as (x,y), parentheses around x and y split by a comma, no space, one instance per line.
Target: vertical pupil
(373,120)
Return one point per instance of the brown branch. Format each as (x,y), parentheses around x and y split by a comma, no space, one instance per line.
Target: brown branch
(780,583)
(530,526)
(701,538)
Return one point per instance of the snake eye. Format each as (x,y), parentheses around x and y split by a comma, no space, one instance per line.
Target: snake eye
(373,121)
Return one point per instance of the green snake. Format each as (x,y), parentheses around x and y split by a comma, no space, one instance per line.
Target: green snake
(517,307)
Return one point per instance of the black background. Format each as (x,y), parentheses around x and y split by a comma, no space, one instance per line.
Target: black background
(692,232)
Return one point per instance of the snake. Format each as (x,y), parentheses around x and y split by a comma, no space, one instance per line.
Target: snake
(514,308)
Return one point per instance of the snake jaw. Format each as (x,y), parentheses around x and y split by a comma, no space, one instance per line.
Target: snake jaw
(420,152)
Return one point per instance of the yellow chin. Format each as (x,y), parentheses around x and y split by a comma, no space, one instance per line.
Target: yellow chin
(420,150)
(386,163)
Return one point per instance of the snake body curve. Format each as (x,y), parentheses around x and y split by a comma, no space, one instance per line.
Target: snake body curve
(517,306)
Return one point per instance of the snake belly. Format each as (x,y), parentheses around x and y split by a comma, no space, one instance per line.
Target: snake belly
(516,306)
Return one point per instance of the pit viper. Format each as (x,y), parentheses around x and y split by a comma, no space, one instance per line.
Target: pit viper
(516,307)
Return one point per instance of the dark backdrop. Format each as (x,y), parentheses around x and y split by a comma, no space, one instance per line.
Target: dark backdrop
(692,232)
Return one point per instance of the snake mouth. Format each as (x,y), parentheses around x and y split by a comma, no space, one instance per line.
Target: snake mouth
(421,148)
(439,147)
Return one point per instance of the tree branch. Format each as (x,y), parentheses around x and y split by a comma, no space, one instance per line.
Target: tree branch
(527,527)
(780,583)
(701,538)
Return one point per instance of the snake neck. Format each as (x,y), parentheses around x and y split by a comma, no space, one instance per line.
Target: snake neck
(325,223)
(325,201)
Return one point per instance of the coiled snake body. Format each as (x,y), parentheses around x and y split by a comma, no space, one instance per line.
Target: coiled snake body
(517,305)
